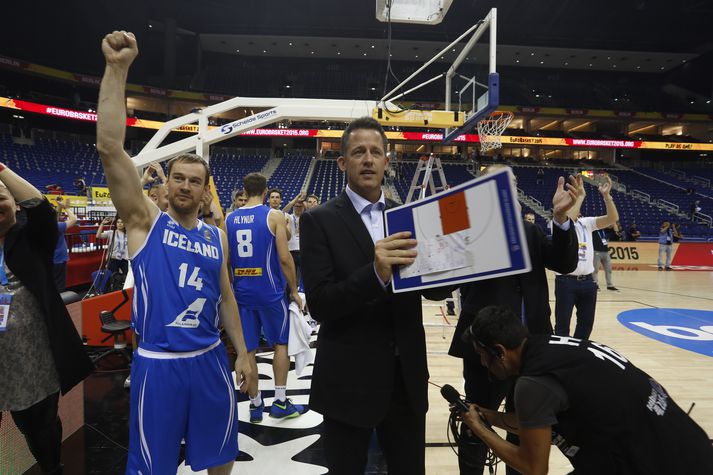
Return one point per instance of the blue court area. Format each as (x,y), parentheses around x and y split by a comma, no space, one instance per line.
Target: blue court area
(684,328)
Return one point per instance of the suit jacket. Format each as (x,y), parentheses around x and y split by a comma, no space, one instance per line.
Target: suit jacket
(29,250)
(363,325)
(528,290)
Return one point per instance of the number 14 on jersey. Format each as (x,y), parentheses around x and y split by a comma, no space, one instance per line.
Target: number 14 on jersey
(194,280)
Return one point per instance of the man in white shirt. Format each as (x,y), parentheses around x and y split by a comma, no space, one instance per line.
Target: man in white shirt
(293,244)
(578,288)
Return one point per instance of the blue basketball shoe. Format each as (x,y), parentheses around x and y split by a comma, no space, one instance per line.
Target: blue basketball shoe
(257,412)
(286,410)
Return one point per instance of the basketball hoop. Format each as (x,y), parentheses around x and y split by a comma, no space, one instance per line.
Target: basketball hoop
(491,129)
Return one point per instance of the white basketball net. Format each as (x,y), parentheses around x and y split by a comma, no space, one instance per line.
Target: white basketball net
(491,129)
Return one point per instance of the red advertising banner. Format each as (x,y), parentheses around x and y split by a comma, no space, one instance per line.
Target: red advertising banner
(283,132)
(694,254)
(437,137)
(54,111)
(603,143)
(412,136)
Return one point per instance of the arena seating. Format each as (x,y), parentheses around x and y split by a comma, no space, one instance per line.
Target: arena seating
(290,174)
(647,217)
(327,181)
(652,182)
(51,161)
(229,169)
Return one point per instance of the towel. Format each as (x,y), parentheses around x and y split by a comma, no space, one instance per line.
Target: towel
(298,342)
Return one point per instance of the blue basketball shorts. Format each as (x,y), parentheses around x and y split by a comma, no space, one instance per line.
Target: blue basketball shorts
(273,319)
(177,396)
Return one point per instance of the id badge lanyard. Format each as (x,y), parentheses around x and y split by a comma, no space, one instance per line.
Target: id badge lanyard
(5,294)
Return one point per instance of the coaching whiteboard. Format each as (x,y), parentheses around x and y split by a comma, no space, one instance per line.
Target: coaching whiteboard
(470,232)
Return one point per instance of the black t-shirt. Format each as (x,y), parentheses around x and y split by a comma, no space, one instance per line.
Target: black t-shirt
(618,419)
(538,400)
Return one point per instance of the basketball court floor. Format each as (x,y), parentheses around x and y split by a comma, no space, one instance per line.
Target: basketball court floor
(687,375)
(293,447)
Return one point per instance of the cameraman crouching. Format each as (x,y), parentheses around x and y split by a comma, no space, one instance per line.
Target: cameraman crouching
(606,415)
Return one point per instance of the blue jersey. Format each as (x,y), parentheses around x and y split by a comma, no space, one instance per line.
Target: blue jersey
(177,286)
(257,272)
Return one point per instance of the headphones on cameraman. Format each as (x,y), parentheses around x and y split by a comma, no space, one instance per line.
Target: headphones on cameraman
(470,337)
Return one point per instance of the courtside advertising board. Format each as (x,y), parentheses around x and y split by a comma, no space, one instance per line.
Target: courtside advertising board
(473,231)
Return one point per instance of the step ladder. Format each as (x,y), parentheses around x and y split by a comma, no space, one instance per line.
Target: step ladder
(428,166)
(422,181)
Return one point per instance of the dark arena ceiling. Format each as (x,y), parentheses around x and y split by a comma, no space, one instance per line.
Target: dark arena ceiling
(613,36)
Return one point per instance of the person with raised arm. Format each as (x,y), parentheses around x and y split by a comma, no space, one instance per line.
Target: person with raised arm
(182,386)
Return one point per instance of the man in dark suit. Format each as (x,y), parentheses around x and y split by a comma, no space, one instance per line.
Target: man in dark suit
(370,371)
(527,295)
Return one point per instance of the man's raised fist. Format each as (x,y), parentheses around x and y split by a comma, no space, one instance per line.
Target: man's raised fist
(120,48)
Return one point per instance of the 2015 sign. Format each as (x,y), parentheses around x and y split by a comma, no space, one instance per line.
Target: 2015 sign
(619,253)
(635,253)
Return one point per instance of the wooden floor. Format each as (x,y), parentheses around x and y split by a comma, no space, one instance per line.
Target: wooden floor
(686,375)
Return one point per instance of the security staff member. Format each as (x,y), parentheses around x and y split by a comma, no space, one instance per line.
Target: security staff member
(606,415)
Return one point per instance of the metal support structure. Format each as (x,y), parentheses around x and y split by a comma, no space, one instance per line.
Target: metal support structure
(419,184)
(278,109)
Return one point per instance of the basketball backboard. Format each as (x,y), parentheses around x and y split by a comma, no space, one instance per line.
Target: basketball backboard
(421,12)
(484,96)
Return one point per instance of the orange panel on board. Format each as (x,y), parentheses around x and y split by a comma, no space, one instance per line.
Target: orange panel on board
(454,213)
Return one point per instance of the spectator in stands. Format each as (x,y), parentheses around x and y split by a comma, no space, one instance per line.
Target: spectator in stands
(61,253)
(615,233)
(632,234)
(540,176)
(530,217)
(118,254)
(695,208)
(600,241)
(80,185)
(677,235)
(42,353)
(311,201)
(577,289)
(665,245)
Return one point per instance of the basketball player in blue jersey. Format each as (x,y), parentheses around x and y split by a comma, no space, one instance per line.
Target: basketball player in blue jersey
(261,262)
(182,384)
